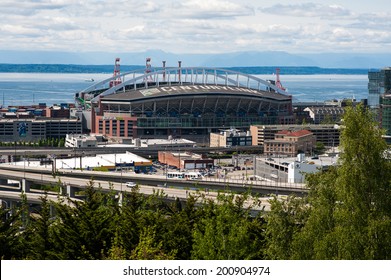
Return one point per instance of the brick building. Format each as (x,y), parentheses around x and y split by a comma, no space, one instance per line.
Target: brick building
(290,143)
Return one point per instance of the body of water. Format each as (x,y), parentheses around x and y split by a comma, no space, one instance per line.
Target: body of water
(55,88)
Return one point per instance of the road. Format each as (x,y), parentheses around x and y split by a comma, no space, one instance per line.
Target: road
(32,197)
(43,176)
(117,186)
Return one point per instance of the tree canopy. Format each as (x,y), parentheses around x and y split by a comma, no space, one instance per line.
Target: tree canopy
(347,214)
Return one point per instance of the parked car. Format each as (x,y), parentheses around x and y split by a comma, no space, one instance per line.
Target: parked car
(130,184)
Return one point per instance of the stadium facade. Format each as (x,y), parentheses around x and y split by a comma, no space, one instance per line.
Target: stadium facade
(182,102)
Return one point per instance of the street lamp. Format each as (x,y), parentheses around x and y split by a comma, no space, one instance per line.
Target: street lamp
(179,159)
(81,160)
(24,165)
(15,152)
(74,150)
(121,178)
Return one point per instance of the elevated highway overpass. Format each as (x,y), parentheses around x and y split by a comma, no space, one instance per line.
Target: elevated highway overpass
(77,179)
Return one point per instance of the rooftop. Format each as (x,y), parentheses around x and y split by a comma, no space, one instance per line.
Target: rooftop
(190,89)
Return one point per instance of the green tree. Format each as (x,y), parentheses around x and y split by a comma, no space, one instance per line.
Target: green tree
(10,239)
(350,206)
(316,239)
(319,148)
(224,231)
(128,227)
(61,143)
(86,230)
(177,235)
(283,222)
(39,233)
(149,249)
(363,187)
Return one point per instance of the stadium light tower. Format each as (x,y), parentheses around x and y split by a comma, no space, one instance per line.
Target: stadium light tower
(116,74)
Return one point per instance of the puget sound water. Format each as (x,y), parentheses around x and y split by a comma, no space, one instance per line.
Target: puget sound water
(55,88)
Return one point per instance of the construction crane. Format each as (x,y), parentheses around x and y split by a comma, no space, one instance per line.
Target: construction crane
(116,74)
(278,82)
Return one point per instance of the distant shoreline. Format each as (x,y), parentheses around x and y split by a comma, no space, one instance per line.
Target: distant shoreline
(106,69)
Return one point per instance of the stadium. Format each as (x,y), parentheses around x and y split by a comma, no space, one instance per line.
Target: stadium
(182,102)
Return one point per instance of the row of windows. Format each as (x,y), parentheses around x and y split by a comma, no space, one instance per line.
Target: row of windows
(287,150)
(114,127)
(279,145)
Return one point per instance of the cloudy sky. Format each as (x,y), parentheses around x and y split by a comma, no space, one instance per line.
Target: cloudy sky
(196,26)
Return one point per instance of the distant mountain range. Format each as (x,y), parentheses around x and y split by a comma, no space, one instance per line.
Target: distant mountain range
(235,59)
(253,70)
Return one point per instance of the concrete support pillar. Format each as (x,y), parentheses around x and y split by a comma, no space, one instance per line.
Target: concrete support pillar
(54,166)
(70,191)
(4,204)
(26,185)
(12,205)
(120,198)
(51,210)
(63,189)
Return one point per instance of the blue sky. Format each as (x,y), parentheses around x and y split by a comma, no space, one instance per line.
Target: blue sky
(196,26)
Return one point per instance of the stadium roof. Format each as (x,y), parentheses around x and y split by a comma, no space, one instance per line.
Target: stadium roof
(179,81)
(191,89)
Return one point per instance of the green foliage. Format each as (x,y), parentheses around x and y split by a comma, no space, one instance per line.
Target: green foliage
(348,211)
(10,239)
(283,222)
(224,231)
(315,240)
(319,148)
(48,142)
(147,249)
(363,188)
(39,235)
(85,230)
(144,227)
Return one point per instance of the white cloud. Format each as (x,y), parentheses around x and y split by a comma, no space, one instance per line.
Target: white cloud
(190,26)
(212,9)
(341,35)
(32,7)
(18,31)
(374,21)
(308,10)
